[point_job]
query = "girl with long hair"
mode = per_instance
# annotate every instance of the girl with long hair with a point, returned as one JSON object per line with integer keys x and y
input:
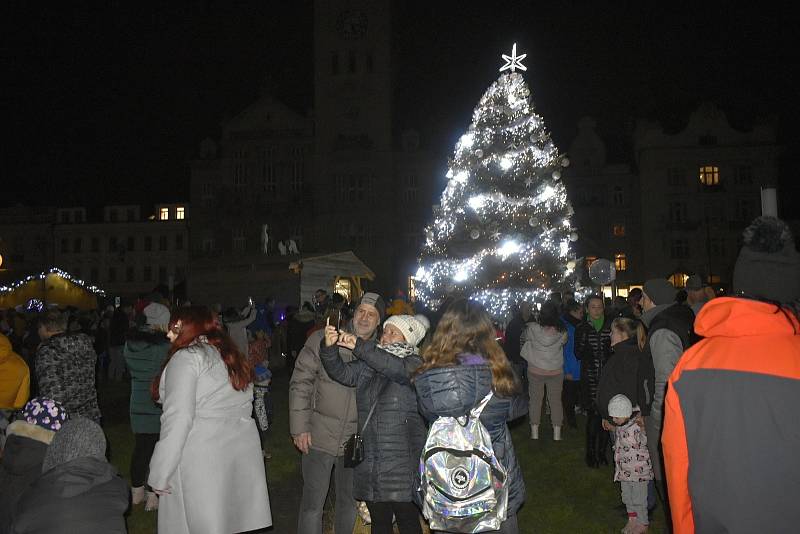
{"x": 207, "y": 466}
{"x": 460, "y": 366}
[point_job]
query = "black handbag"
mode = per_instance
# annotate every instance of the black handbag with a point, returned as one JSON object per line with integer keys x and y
{"x": 354, "y": 447}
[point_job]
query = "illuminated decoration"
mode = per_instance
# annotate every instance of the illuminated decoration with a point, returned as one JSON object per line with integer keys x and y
{"x": 55, "y": 270}
{"x": 502, "y": 232}
{"x": 513, "y": 61}
{"x": 34, "y": 305}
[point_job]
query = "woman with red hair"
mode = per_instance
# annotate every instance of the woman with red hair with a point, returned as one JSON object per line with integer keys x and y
{"x": 205, "y": 466}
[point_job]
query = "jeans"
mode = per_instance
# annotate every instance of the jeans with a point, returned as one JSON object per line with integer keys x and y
{"x": 406, "y": 513}
{"x": 140, "y": 459}
{"x": 537, "y": 385}
{"x": 316, "y": 466}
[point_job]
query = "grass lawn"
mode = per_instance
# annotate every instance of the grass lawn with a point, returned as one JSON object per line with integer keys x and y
{"x": 563, "y": 495}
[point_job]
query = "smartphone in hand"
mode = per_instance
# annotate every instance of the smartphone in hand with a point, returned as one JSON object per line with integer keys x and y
{"x": 335, "y": 318}
{"x": 250, "y": 300}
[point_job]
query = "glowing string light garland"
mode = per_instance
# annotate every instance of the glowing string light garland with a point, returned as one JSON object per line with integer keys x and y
{"x": 54, "y": 270}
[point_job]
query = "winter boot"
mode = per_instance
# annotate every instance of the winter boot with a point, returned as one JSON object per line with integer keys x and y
{"x": 556, "y": 433}
{"x": 602, "y": 448}
{"x": 534, "y": 431}
{"x": 137, "y": 495}
{"x": 152, "y": 502}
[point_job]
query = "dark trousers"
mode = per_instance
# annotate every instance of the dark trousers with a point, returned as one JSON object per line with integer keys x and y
{"x": 406, "y": 513}
{"x": 597, "y": 440}
{"x": 570, "y": 395}
{"x": 140, "y": 459}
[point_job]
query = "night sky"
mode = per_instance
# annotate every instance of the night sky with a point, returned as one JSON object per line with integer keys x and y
{"x": 107, "y": 104}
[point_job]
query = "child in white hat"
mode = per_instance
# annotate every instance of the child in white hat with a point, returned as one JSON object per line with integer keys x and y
{"x": 633, "y": 468}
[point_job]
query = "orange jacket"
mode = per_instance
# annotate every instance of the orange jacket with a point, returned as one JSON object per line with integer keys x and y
{"x": 15, "y": 378}
{"x": 730, "y": 437}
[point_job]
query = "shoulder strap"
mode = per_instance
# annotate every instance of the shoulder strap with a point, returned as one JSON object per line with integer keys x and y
{"x": 477, "y": 410}
{"x": 374, "y": 404}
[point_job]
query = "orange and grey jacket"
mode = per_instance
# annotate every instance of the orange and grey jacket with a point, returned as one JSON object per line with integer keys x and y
{"x": 731, "y": 435}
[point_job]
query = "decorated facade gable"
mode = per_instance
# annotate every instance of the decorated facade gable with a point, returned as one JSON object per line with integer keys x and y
{"x": 502, "y": 232}
{"x": 52, "y": 287}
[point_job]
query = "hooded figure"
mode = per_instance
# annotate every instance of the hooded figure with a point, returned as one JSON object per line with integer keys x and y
{"x": 78, "y": 491}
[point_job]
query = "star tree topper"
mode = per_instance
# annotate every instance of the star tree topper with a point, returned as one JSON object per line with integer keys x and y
{"x": 514, "y": 61}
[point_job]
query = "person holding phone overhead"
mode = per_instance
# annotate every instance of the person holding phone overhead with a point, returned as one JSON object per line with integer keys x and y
{"x": 322, "y": 416}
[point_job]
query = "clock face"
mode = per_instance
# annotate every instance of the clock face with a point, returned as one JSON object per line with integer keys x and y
{"x": 352, "y": 24}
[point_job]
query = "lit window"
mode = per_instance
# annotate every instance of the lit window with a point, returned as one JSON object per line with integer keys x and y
{"x": 709, "y": 175}
{"x": 163, "y": 214}
{"x": 180, "y": 213}
{"x": 679, "y": 279}
{"x": 620, "y": 261}
{"x": 619, "y": 230}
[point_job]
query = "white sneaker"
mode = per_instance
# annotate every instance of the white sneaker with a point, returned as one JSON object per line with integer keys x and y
{"x": 137, "y": 495}
{"x": 534, "y": 431}
{"x": 152, "y": 502}
{"x": 556, "y": 433}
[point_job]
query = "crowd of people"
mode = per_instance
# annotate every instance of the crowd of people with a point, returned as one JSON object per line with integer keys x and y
{"x": 692, "y": 396}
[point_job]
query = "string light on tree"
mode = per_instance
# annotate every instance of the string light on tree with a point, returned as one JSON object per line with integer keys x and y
{"x": 502, "y": 231}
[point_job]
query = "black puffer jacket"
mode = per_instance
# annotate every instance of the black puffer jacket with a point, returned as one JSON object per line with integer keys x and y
{"x": 395, "y": 434}
{"x": 593, "y": 349}
{"x": 454, "y": 391}
{"x": 627, "y": 373}
{"x": 23, "y": 455}
{"x": 84, "y": 495}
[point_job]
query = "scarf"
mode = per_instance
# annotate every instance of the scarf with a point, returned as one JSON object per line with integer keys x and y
{"x": 401, "y": 350}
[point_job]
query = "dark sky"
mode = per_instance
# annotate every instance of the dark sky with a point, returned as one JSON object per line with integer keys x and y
{"x": 106, "y": 104}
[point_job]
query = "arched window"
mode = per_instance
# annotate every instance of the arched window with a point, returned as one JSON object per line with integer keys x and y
{"x": 709, "y": 175}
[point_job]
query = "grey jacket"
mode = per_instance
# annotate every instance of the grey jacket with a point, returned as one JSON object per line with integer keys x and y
{"x": 317, "y": 403}
{"x": 666, "y": 348}
{"x": 544, "y": 347}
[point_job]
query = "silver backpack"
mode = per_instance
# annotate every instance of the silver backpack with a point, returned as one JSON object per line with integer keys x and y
{"x": 462, "y": 483}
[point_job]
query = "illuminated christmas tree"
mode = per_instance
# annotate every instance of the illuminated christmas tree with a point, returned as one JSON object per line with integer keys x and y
{"x": 502, "y": 231}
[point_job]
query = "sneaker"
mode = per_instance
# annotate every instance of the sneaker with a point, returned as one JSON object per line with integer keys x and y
{"x": 152, "y": 502}
{"x": 534, "y": 431}
{"x": 267, "y": 455}
{"x": 137, "y": 495}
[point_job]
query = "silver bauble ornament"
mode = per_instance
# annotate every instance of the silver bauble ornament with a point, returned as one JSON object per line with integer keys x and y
{"x": 534, "y": 137}
{"x": 508, "y": 111}
{"x": 573, "y": 237}
{"x": 556, "y": 175}
{"x": 474, "y": 234}
{"x": 602, "y": 272}
{"x": 479, "y": 153}
{"x": 565, "y": 162}
{"x": 533, "y": 221}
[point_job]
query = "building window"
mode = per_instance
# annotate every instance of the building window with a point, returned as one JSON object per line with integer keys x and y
{"x": 178, "y": 242}
{"x": 297, "y": 170}
{"x": 621, "y": 261}
{"x": 64, "y": 245}
{"x": 707, "y": 140}
{"x": 679, "y": 249}
{"x": 369, "y": 62}
{"x": 239, "y": 240}
{"x": 147, "y": 274}
{"x": 207, "y": 193}
{"x": 112, "y": 274}
{"x": 717, "y": 246}
{"x": 679, "y": 279}
{"x": 296, "y": 233}
{"x": 715, "y": 213}
{"x": 351, "y": 61}
{"x": 77, "y": 244}
{"x": 676, "y": 177}
{"x": 162, "y": 274}
{"x": 131, "y": 215}
{"x": 619, "y": 230}
{"x": 744, "y": 209}
{"x": 334, "y": 63}
{"x": 163, "y": 214}
{"x": 95, "y": 244}
{"x": 744, "y": 175}
{"x": 131, "y": 243}
{"x": 677, "y": 212}
{"x": 112, "y": 244}
{"x": 268, "y": 170}
{"x": 94, "y": 274}
{"x": 239, "y": 168}
{"x": 162, "y": 242}
{"x": 129, "y": 274}
{"x": 148, "y": 243}
{"x": 63, "y": 217}
{"x": 618, "y": 196}
{"x": 208, "y": 245}
{"x": 709, "y": 175}
{"x": 410, "y": 192}
{"x": 180, "y": 213}
{"x": 112, "y": 215}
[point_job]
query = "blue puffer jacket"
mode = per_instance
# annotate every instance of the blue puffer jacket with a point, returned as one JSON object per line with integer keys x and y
{"x": 454, "y": 391}
{"x": 571, "y": 364}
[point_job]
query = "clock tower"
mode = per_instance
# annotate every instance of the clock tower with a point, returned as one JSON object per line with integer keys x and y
{"x": 353, "y": 97}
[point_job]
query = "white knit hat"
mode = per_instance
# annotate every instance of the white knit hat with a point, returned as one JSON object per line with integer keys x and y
{"x": 157, "y": 315}
{"x": 412, "y": 328}
{"x": 620, "y": 406}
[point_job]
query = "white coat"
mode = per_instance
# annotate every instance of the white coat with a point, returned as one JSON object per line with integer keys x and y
{"x": 208, "y": 454}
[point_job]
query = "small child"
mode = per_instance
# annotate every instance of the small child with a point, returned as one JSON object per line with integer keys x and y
{"x": 258, "y": 349}
{"x": 633, "y": 468}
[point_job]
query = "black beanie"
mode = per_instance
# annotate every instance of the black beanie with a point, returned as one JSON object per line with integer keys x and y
{"x": 768, "y": 266}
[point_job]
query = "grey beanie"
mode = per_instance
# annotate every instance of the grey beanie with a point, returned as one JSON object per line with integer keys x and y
{"x": 660, "y": 291}
{"x": 79, "y": 437}
{"x": 373, "y": 299}
{"x": 768, "y": 266}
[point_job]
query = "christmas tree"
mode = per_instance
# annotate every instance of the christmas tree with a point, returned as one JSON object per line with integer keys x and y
{"x": 502, "y": 231}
